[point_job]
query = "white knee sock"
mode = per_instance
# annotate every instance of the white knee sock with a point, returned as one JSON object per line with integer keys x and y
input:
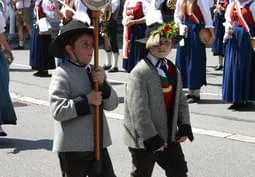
{"x": 196, "y": 92}
{"x": 115, "y": 59}
{"x": 221, "y": 60}
{"x": 21, "y": 43}
{"x": 1, "y": 129}
{"x": 108, "y": 60}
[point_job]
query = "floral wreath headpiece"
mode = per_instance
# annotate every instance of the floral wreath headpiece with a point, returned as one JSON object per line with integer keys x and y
{"x": 166, "y": 31}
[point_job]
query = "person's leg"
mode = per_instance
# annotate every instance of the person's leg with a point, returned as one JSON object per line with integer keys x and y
{"x": 108, "y": 60}
{"x": 7, "y": 16}
{"x": 107, "y": 168}
{"x": 12, "y": 21}
{"x": 115, "y": 63}
{"x": 27, "y": 20}
{"x": 29, "y": 29}
{"x": 193, "y": 96}
{"x": 21, "y": 36}
{"x": 142, "y": 162}
{"x": 112, "y": 28}
{"x": 219, "y": 66}
{"x": 75, "y": 164}
{"x": 19, "y": 24}
{"x": 172, "y": 161}
{"x": 2, "y": 132}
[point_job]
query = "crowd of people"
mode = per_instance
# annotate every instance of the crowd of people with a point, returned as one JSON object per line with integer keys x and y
{"x": 156, "y": 116}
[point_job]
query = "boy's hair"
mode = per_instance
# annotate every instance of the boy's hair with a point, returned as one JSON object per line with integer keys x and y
{"x": 72, "y": 39}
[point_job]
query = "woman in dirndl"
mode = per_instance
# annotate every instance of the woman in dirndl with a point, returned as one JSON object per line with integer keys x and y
{"x": 7, "y": 113}
{"x": 191, "y": 16}
{"x": 40, "y": 59}
{"x": 239, "y": 68}
{"x": 134, "y": 28}
{"x": 219, "y": 29}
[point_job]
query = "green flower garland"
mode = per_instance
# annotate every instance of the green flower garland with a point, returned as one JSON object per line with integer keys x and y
{"x": 167, "y": 30}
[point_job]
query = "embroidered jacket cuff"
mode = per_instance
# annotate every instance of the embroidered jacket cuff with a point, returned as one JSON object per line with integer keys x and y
{"x": 106, "y": 90}
{"x": 185, "y": 130}
{"x": 154, "y": 143}
{"x": 82, "y": 106}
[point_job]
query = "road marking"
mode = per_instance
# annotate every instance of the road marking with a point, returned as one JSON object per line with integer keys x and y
{"x": 124, "y": 82}
{"x": 214, "y": 133}
{"x": 21, "y": 65}
{"x": 202, "y": 93}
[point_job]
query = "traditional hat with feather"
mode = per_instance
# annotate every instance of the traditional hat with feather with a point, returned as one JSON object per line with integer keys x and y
{"x": 157, "y": 30}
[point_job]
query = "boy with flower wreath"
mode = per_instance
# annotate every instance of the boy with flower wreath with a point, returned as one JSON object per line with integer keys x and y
{"x": 156, "y": 116}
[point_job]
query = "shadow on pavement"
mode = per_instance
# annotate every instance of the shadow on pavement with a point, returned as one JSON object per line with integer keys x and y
{"x": 24, "y": 145}
{"x": 20, "y": 70}
{"x": 116, "y": 83}
{"x": 215, "y": 74}
{"x": 211, "y": 101}
{"x": 217, "y": 85}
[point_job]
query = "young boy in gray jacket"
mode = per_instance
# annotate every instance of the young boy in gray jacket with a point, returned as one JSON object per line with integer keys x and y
{"x": 73, "y": 99}
{"x": 156, "y": 116}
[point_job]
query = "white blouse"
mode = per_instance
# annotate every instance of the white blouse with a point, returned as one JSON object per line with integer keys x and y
{"x": 205, "y": 10}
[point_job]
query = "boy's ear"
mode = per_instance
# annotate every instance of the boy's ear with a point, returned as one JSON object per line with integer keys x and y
{"x": 69, "y": 49}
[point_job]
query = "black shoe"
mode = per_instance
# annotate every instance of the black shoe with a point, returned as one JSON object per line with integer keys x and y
{"x": 105, "y": 67}
{"x": 218, "y": 68}
{"x": 188, "y": 96}
{"x": 193, "y": 99}
{"x": 241, "y": 106}
{"x": 113, "y": 70}
{"x": 3, "y": 133}
{"x": 19, "y": 47}
{"x": 233, "y": 106}
{"x": 42, "y": 73}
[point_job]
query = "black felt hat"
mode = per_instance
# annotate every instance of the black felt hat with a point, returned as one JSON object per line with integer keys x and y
{"x": 73, "y": 27}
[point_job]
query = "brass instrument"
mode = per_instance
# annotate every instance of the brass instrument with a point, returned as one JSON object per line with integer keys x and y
{"x": 106, "y": 13}
{"x": 171, "y": 4}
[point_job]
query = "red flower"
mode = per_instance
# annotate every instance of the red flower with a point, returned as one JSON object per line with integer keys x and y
{"x": 166, "y": 28}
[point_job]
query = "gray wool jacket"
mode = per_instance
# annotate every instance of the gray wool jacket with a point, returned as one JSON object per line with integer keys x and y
{"x": 73, "y": 116}
{"x": 145, "y": 116}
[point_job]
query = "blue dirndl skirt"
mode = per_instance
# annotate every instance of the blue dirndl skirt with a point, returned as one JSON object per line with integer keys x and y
{"x": 7, "y": 113}
{"x": 136, "y": 53}
{"x": 238, "y": 67}
{"x": 39, "y": 55}
{"x": 191, "y": 58}
{"x": 219, "y": 30}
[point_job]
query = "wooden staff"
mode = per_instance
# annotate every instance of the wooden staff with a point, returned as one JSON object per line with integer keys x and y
{"x": 95, "y": 15}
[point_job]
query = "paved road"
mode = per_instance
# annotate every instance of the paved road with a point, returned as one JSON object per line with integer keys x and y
{"x": 224, "y": 140}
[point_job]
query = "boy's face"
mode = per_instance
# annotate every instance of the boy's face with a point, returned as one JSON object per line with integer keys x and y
{"x": 163, "y": 49}
{"x": 83, "y": 49}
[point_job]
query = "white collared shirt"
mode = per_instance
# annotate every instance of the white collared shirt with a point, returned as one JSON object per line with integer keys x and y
{"x": 152, "y": 59}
